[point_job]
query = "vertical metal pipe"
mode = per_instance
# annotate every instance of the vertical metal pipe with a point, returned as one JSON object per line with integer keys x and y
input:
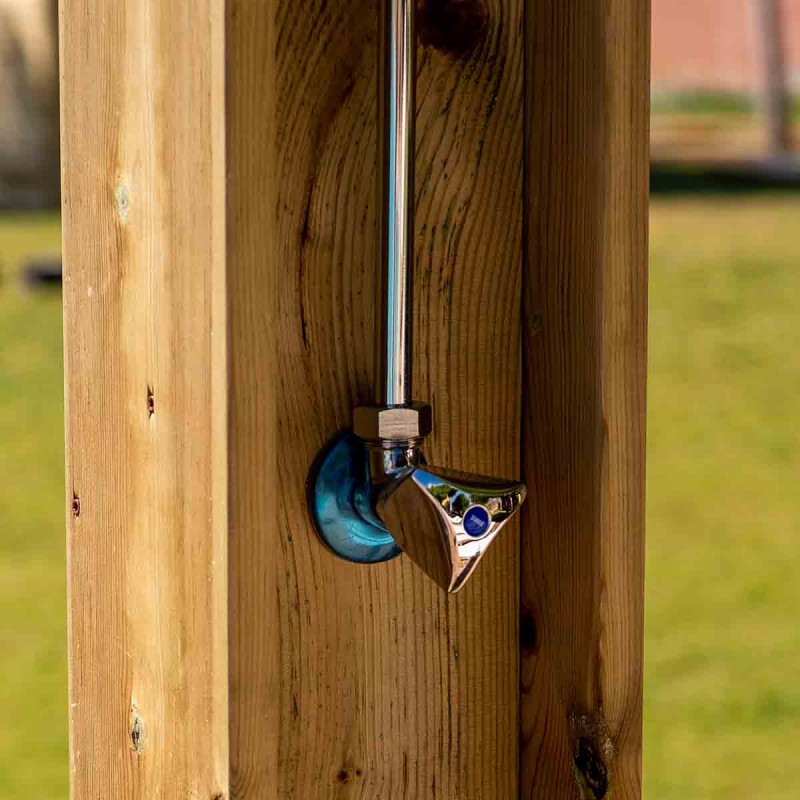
{"x": 396, "y": 109}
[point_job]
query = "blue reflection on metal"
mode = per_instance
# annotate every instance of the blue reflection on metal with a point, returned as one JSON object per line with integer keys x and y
{"x": 340, "y": 497}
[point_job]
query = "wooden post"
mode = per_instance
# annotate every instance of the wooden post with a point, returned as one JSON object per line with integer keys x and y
{"x": 383, "y": 686}
{"x": 145, "y": 360}
{"x": 584, "y": 402}
{"x": 220, "y": 228}
{"x": 775, "y": 100}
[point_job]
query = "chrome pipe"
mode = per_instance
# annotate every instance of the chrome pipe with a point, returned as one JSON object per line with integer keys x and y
{"x": 397, "y": 110}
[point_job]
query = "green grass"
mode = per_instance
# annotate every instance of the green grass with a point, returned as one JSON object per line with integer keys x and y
{"x": 704, "y": 102}
{"x": 723, "y": 639}
{"x": 710, "y": 102}
{"x": 33, "y": 686}
{"x": 723, "y": 550}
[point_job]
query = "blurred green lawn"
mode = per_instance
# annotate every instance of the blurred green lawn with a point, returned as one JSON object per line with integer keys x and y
{"x": 722, "y": 709}
{"x": 722, "y": 714}
{"x": 33, "y": 684}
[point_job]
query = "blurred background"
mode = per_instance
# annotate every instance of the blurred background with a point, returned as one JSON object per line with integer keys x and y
{"x": 722, "y": 707}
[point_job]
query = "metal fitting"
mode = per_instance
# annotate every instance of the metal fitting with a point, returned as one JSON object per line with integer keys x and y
{"x": 393, "y": 424}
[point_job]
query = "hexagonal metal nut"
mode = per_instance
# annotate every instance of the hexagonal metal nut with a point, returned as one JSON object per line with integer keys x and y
{"x": 395, "y": 423}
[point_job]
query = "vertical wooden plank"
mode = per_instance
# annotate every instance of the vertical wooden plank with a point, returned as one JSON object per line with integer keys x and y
{"x": 587, "y": 75}
{"x": 467, "y": 361}
{"x": 256, "y": 464}
{"x": 366, "y": 681}
{"x": 142, "y": 87}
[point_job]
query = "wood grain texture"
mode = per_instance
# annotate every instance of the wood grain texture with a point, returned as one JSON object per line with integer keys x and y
{"x": 144, "y": 296}
{"x": 256, "y": 483}
{"x": 352, "y": 681}
{"x": 587, "y": 68}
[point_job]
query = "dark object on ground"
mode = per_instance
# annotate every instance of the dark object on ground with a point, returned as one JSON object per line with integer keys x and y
{"x": 736, "y": 177}
{"x": 43, "y": 273}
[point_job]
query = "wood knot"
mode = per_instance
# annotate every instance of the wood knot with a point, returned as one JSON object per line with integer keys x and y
{"x": 455, "y": 27}
{"x": 348, "y": 775}
{"x": 591, "y": 768}
{"x": 122, "y": 201}
{"x": 76, "y": 505}
{"x": 137, "y": 731}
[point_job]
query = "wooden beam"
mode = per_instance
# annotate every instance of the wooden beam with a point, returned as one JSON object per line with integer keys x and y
{"x": 218, "y": 179}
{"x": 258, "y": 476}
{"x": 203, "y": 277}
{"x": 774, "y": 95}
{"x": 350, "y": 680}
{"x": 584, "y": 397}
{"x": 142, "y": 88}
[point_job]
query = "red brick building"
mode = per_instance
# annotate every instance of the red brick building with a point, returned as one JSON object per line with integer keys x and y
{"x": 716, "y": 45}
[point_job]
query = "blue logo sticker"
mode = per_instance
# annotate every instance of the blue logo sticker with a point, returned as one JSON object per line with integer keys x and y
{"x": 476, "y": 520}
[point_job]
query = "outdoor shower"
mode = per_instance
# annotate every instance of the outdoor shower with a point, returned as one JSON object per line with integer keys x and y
{"x": 372, "y": 495}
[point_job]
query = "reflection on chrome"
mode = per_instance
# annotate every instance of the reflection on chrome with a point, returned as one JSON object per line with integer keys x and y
{"x": 424, "y": 510}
